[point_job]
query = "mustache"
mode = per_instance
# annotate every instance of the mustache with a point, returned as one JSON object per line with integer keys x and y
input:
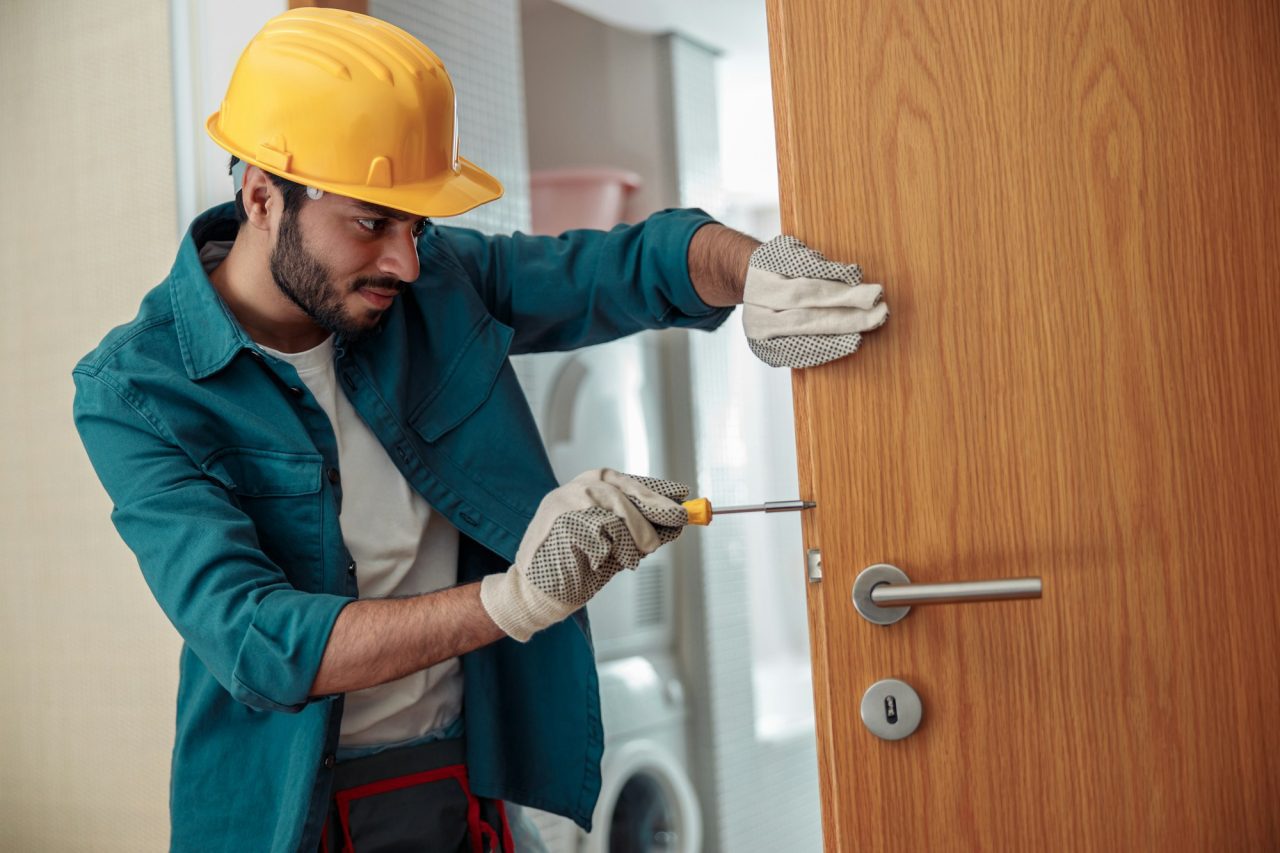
{"x": 383, "y": 283}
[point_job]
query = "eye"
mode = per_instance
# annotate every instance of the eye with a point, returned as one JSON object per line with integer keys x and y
{"x": 420, "y": 227}
{"x": 373, "y": 225}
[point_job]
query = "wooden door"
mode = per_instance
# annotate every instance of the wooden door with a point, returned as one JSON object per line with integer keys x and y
{"x": 1074, "y": 209}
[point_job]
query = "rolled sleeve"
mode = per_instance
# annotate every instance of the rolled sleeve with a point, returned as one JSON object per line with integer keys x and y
{"x": 259, "y": 636}
{"x": 583, "y": 287}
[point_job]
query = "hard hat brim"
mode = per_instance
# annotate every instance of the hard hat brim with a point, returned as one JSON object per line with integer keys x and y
{"x": 455, "y": 193}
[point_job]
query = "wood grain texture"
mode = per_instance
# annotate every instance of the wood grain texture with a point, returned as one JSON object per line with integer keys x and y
{"x": 1074, "y": 209}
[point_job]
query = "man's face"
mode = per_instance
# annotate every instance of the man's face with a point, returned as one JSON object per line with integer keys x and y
{"x": 343, "y": 262}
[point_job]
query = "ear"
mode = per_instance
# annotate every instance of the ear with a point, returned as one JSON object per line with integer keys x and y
{"x": 260, "y": 198}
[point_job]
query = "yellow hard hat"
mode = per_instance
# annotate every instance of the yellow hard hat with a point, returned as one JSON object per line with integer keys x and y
{"x": 352, "y": 105}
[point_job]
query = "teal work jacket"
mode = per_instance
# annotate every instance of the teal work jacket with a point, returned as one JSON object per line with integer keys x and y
{"x": 226, "y": 484}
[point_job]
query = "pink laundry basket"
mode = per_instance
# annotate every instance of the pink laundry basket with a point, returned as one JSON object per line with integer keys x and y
{"x": 562, "y": 199}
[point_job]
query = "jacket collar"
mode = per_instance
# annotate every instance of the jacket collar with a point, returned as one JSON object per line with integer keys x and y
{"x": 208, "y": 333}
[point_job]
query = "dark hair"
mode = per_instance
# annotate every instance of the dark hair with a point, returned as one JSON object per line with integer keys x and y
{"x": 293, "y": 193}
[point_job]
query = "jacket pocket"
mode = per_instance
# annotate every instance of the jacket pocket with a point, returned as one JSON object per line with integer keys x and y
{"x": 281, "y": 494}
{"x": 467, "y": 381}
{"x": 265, "y": 473}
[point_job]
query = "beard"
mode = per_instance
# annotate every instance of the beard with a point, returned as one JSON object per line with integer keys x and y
{"x": 308, "y": 283}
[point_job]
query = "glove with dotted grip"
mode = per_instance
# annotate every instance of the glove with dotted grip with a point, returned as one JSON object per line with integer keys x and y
{"x": 802, "y": 310}
{"x": 582, "y": 534}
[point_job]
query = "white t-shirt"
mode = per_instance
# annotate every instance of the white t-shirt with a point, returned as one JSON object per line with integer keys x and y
{"x": 401, "y": 547}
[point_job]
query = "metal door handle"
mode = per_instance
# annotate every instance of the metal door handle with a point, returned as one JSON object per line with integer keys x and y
{"x": 883, "y": 594}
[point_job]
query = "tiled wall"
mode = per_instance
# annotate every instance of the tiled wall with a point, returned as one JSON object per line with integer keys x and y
{"x": 479, "y": 42}
{"x": 697, "y": 134}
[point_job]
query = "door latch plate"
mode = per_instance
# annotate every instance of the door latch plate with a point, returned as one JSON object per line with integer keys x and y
{"x": 814, "y": 561}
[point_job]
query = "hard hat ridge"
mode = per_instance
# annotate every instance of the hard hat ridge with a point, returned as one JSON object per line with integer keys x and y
{"x": 353, "y": 105}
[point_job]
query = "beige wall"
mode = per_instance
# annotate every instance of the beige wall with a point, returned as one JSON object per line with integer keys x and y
{"x": 88, "y": 664}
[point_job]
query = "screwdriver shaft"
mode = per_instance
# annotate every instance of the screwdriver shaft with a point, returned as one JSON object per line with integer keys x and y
{"x": 771, "y": 506}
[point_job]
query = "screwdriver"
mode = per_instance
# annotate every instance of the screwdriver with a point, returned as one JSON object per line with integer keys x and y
{"x": 700, "y": 510}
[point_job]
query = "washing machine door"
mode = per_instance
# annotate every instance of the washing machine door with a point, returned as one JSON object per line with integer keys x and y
{"x": 647, "y": 804}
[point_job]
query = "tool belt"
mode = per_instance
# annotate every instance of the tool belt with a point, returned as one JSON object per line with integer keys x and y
{"x": 412, "y": 798}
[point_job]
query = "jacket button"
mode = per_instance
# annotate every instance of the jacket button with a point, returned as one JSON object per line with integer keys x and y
{"x": 351, "y": 568}
{"x": 332, "y": 474}
{"x": 295, "y": 391}
{"x": 329, "y": 761}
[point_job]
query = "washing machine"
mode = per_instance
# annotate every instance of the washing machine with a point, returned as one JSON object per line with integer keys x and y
{"x": 647, "y": 802}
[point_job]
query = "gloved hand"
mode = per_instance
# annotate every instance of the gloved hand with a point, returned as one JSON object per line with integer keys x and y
{"x": 802, "y": 310}
{"x": 583, "y": 533}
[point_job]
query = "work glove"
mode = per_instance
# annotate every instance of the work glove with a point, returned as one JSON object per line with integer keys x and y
{"x": 583, "y": 533}
{"x": 802, "y": 310}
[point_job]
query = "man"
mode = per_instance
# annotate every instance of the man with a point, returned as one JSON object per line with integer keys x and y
{"x": 321, "y": 457}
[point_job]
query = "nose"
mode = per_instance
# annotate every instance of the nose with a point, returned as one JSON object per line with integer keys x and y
{"x": 400, "y": 255}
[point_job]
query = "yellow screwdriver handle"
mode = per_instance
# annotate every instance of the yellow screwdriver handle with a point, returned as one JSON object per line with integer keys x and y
{"x": 699, "y": 511}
